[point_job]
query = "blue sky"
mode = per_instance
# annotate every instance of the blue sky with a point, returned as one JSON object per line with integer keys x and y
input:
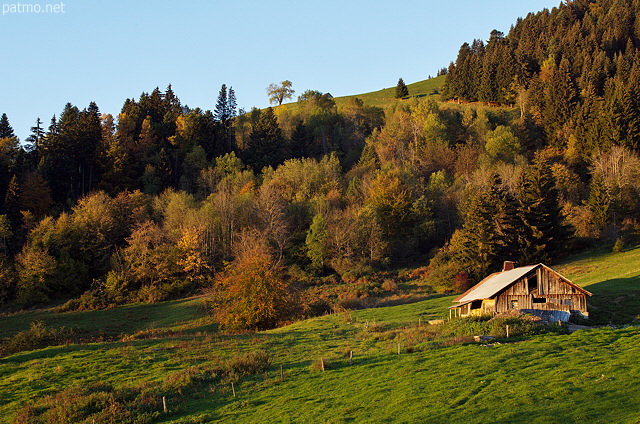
{"x": 107, "y": 51}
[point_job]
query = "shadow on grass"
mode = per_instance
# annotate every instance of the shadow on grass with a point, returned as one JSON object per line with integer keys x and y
{"x": 614, "y": 301}
{"x": 125, "y": 319}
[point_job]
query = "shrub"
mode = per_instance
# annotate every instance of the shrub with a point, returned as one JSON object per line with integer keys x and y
{"x": 618, "y": 247}
{"x": 96, "y": 403}
{"x": 90, "y": 300}
{"x": 250, "y": 363}
{"x": 389, "y": 285}
{"x": 37, "y": 337}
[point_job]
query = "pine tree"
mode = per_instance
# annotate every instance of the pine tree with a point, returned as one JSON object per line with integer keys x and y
{"x": 599, "y": 202}
{"x": 171, "y": 103}
{"x": 401, "y": 90}
{"x": 299, "y": 148}
{"x": 561, "y": 96}
{"x": 221, "y": 112}
{"x": 232, "y": 103}
{"x": 6, "y": 130}
{"x": 546, "y": 233}
{"x": 266, "y": 143}
{"x": 36, "y": 136}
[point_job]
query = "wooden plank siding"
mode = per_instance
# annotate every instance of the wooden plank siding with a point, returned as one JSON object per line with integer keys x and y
{"x": 542, "y": 289}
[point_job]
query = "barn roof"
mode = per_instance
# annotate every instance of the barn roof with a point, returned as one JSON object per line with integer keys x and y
{"x": 499, "y": 281}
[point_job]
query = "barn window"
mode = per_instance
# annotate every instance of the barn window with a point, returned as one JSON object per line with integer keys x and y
{"x": 533, "y": 283}
{"x": 539, "y": 300}
{"x": 476, "y": 304}
{"x": 513, "y": 304}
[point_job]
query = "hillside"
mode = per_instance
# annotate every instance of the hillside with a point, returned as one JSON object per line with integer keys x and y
{"x": 384, "y": 98}
{"x": 172, "y": 351}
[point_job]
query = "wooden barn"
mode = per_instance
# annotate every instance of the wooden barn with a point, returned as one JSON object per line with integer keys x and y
{"x": 535, "y": 289}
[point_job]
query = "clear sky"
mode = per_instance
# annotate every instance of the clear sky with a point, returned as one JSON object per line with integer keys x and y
{"x": 107, "y": 51}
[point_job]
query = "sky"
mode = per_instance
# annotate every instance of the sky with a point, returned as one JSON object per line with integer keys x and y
{"x": 110, "y": 50}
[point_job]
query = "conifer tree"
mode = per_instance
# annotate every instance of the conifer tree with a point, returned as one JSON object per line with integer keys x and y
{"x": 36, "y": 136}
{"x": 232, "y": 103}
{"x": 299, "y": 146}
{"x": 401, "y": 89}
{"x": 266, "y": 144}
{"x": 6, "y": 131}
{"x": 599, "y": 202}
{"x": 221, "y": 112}
{"x": 546, "y": 233}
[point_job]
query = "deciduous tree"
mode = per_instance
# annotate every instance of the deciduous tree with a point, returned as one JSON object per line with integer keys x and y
{"x": 280, "y": 92}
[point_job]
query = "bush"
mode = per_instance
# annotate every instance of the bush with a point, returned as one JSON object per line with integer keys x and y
{"x": 618, "y": 247}
{"x": 37, "y": 337}
{"x": 389, "y": 285}
{"x": 95, "y": 403}
{"x": 250, "y": 363}
{"x": 89, "y": 301}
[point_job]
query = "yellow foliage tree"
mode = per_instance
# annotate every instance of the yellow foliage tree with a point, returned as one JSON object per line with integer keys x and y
{"x": 193, "y": 260}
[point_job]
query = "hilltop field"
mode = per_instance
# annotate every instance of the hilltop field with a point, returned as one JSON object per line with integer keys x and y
{"x": 380, "y": 365}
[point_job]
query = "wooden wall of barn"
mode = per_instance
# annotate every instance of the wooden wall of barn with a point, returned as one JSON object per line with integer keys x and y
{"x": 545, "y": 286}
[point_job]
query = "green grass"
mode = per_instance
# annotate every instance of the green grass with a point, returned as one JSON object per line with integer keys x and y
{"x": 387, "y": 96}
{"x": 588, "y": 376}
{"x": 614, "y": 280}
{"x": 176, "y": 315}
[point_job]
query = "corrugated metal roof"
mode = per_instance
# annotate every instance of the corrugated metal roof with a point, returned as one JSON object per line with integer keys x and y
{"x": 495, "y": 283}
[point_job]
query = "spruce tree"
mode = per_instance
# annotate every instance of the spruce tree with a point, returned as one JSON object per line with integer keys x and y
{"x": 232, "y": 103}
{"x": 401, "y": 90}
{"x": 36, "y": 136}
{"x": 221, "y": 112}
{"x": 299, "y": 148}
{"x": 6, "y": 130}
{"x": 546, "y": 233}
{"x": 266, "y": 142}
{"x": 599, "y": 202}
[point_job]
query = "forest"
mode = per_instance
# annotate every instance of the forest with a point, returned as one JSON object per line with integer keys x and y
{"x": 530, "y": 152}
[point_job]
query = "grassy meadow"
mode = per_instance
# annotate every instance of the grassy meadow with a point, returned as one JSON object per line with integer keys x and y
{"x": 385, "y": 97}
{"x": 402, "y": 370}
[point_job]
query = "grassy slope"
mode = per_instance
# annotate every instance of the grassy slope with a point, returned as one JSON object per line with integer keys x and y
{"x": 177, "y": 315}
{"x": 385, "y": 97}
{"x": 589, "y": 376}
{"x": 614, "y": 280}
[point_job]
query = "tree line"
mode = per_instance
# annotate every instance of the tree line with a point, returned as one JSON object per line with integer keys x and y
{"x": 573, "y": 69}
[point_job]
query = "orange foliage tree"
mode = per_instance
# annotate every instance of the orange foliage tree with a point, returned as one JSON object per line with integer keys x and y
{"x": 251, "y": 294}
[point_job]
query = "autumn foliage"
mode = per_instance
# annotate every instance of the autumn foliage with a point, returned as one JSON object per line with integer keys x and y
{"x": 251, "y": 293}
